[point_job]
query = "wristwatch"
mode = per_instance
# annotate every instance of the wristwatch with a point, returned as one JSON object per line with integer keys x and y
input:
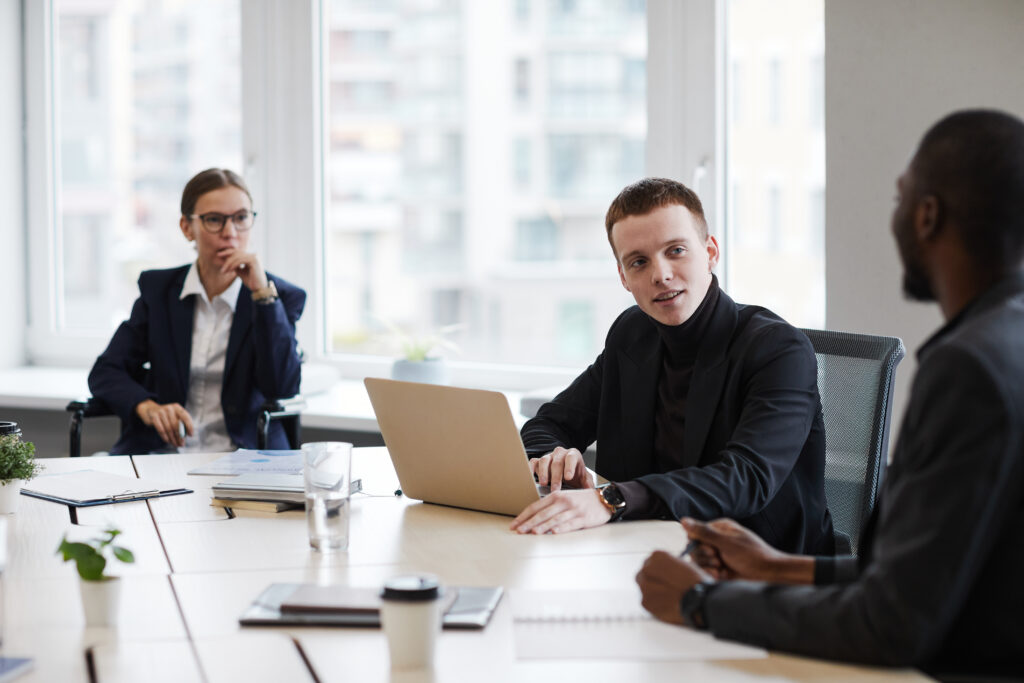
{"x": 265, "y": 295}
{"x": 692, "y": 605}
{"x": 612, "y": 498}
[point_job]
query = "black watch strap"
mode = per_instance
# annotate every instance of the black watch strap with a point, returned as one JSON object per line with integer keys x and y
{"x": 692, "y": 605}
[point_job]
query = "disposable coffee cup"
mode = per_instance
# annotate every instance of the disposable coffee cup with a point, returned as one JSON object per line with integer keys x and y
{"x": 411, "y": 616}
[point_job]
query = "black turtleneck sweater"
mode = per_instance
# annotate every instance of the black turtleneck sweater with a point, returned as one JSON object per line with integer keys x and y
{"x": 679, "y": 346}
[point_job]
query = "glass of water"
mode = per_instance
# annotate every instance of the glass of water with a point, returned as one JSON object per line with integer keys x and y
{"x": 328, "y": 474}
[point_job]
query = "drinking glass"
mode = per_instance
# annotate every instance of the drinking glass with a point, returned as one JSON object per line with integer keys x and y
{"x": 328, "y": 473}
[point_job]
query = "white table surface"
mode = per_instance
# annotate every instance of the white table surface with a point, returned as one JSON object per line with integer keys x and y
{"x": 198, "y": 569}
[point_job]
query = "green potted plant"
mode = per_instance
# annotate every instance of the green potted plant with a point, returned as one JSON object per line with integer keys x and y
{"x": 101, "y": 593}
{"x": 419, "y": 362}
{"x": 17, "y": 465}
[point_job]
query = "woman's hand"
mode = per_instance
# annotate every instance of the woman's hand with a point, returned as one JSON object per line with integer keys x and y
{"x": 245, "y": 265}
{"x": 167, "y": 420}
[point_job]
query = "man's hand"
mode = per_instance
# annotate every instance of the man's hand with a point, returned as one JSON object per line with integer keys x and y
{"x": 562, "y": 511}
{"x": 562, "y": 466}
{"x": 663, "y": 580}
{"x": 245, "y": 265}
{"x": 727, "y": 550}
{"x": 165, "y": 419}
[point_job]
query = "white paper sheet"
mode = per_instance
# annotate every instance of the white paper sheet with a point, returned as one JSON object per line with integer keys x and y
{"x": 244, "y": 461}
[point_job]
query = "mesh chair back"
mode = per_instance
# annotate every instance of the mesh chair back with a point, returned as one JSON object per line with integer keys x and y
{"x": 855, "y": 381}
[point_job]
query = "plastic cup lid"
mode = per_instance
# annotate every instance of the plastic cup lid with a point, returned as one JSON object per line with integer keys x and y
{"x": 413, "y": 588}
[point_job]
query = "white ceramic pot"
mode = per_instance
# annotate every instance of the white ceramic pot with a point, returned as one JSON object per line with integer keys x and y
{"x": 429, "y": 371}
{"x": 101, "y": 601}
{"x": 10, "y": 494}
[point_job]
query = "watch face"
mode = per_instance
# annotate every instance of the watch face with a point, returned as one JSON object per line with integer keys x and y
{"x": 613, "y": 495}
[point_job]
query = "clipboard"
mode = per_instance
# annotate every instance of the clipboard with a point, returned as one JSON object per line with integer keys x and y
{"x": 85, "y": 488}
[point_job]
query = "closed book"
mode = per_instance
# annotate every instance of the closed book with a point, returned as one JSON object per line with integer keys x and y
{"x": 333, "y": 600}
{"x": 256, "y": 505}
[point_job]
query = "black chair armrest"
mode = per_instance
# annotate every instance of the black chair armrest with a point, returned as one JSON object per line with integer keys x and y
{"x": 90, "y": 407}
{"x": 287, "y": 411}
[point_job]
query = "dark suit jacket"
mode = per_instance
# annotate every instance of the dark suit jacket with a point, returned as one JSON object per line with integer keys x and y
{"x": 262, "y": 359}
{"x": 939, "y": 581}
{"x": 755, "y": 442}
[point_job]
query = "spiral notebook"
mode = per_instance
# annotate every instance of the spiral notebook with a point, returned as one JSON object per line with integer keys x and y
{"x": 599, "y": 624}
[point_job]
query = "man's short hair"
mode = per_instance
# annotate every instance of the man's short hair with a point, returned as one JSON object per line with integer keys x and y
{"x": 649, "y": 194}
{"x": 973, "y": 162}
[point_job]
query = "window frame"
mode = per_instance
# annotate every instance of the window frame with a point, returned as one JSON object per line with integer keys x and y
{"x": 283, "y": 43}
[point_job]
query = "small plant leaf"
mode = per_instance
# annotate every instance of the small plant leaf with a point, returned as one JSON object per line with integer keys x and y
{"x": 74, "y": 551}
{"x": 90, "y": 558}
{"x": 123, "y": 554}
{"x": 90, "y": 567}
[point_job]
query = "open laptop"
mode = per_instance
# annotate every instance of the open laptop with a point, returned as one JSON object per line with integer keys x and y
{"x": 454, "y": 446}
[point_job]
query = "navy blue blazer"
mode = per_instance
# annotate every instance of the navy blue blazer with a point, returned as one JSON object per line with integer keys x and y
{"x": 754, "y": 446}
{"x": 150, "y": 353}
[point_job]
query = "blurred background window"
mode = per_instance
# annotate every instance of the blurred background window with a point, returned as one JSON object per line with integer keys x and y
{"x": 146, "y": 93}
{"x": 472, "y": 187}
{"x": 775, "y": 166}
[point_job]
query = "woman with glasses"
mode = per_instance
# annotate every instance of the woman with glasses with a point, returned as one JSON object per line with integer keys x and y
{"x": 207, "y": 343}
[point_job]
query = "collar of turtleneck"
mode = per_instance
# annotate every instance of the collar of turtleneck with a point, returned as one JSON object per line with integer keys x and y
{"x": 681, "y": 342}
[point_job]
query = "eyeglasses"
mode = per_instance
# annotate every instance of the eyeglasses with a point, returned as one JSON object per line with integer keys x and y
{"x": 215, "y": 222}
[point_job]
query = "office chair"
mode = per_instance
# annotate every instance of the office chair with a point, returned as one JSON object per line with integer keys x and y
{"x": 855, "y": 381}
{"x": 287, "y": 411}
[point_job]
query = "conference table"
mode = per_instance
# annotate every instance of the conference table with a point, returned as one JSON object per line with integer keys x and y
{"x": 198, "y": 567}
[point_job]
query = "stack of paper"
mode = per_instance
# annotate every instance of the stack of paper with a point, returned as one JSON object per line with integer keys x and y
{"x": 265, "y": 492}
{"x": 261, "y": 491}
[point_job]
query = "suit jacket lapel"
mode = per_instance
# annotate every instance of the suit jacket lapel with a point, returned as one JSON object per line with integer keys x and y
{"x": 708, "y": 379}
{"x": 640, "y": 365}
{"x": 181, "y": 320}
{"x": 240, "y": 324}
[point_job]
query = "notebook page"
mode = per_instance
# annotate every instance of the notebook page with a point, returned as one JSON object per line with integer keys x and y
{"x": 597, "y": 624}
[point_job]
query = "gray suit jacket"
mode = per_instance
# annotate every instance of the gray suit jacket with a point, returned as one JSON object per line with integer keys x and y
{"x": 940, "y": 584}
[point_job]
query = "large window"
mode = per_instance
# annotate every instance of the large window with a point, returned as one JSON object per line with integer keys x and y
{"x": 422, "y": 163}
{"x": 145, "y": 93}
{"x": 472, "y": 154}
{"x": 775, "y": 168}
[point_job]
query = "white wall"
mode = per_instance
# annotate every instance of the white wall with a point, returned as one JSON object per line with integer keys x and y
{"x": 12, "y": 234}
{"x": 893, "y": 68}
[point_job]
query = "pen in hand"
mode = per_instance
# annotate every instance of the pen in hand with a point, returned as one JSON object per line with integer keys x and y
{"x": 690, "y": 547}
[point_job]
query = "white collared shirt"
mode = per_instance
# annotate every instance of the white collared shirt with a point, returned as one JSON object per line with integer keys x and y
{"x": 211, "y": 328}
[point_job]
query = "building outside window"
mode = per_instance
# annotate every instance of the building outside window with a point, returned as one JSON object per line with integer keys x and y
{"x": 497, "y": 238}
{"x": 774, "y": 248}
{"x": 145, "y": 94}
{"x": 469, "y": 156}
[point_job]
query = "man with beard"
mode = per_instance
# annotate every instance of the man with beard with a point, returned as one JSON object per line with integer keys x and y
{"x": 938, "y": 582}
